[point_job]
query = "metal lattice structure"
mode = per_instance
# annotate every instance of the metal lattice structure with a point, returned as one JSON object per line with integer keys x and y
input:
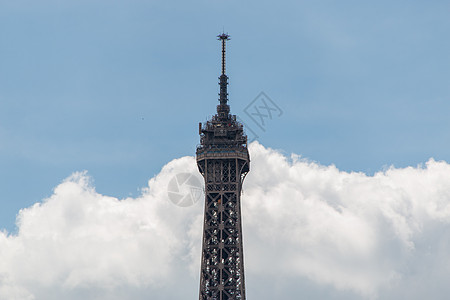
{"x": 223, "y": 160}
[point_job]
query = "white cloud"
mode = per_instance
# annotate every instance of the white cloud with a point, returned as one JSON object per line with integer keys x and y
{"x": 309, "y": 230}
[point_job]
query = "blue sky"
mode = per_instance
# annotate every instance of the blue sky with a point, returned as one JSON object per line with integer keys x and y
{"x": 117, "y": 87}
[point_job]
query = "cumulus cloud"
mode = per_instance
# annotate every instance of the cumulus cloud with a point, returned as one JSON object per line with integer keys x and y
{"x": 309, "y": 231}
{"x": 80, "y": 243}
{"x": 377, "y": 236}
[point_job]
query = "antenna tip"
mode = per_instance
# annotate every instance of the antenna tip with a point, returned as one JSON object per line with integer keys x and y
{"x": 223, "y": 36}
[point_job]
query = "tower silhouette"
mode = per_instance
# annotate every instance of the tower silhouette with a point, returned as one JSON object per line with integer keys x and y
{"x": 223, "y": 161}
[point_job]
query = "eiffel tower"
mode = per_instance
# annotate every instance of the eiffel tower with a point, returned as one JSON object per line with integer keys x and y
{"x": 223, "y": 161}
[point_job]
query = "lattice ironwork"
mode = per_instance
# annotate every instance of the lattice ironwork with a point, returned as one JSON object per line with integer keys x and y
{"x": 223, "y": 160}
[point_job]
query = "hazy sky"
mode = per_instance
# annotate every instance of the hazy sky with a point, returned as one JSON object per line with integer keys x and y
{"x": 117, "y": 88}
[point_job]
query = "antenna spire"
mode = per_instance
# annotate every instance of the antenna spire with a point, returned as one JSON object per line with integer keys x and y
{"x": 224, "y": 37}
{"x": 223, "y": 109}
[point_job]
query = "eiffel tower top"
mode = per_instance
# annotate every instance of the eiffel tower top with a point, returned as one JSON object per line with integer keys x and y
{"x": 223, "y": 132}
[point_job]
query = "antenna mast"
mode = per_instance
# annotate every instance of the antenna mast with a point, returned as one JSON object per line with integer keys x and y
{"x": 223, "y": 109}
